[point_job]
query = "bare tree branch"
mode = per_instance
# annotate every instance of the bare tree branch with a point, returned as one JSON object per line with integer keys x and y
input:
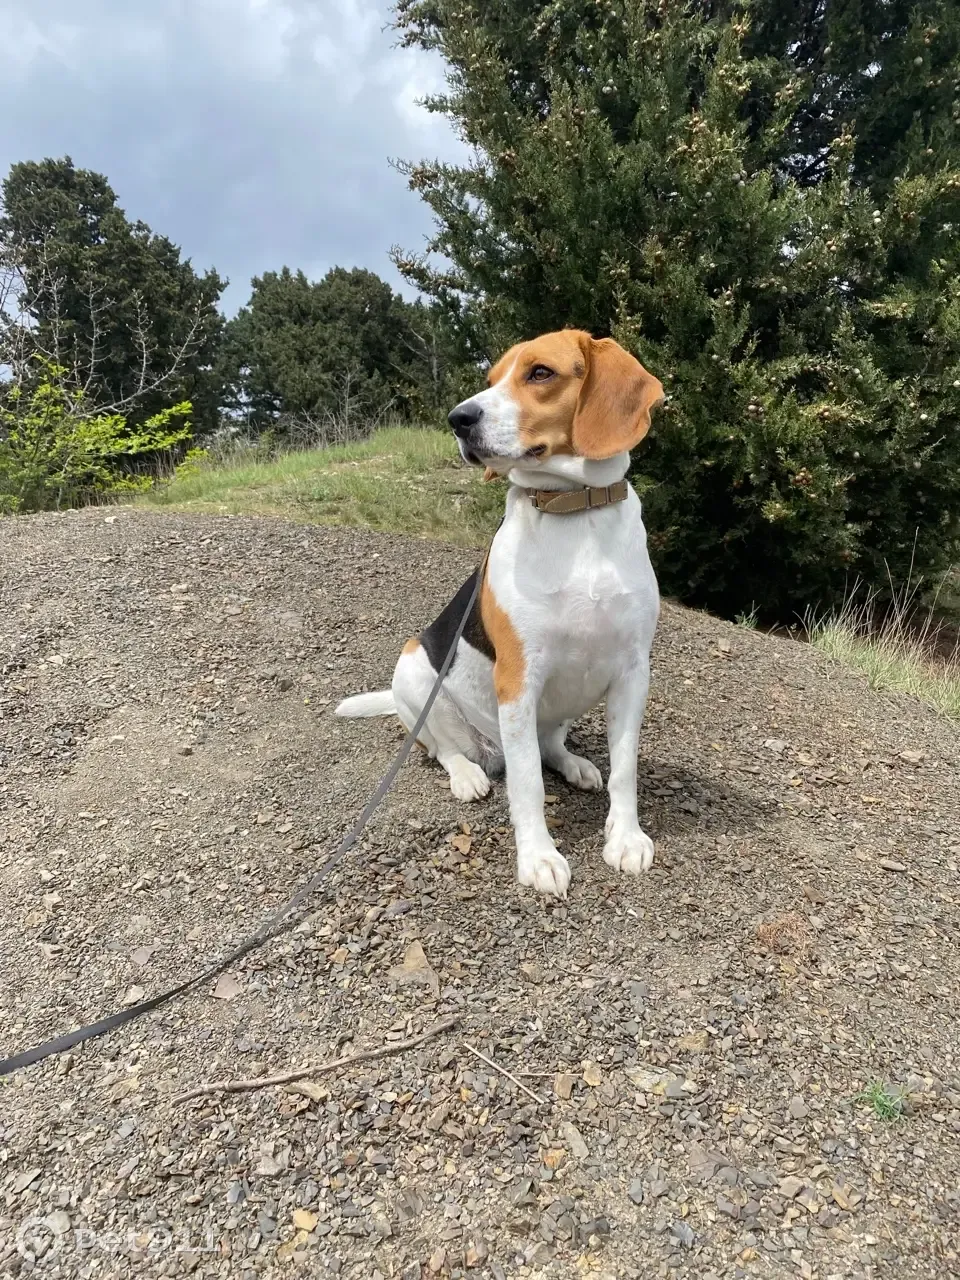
{"x": 26, "y": 293}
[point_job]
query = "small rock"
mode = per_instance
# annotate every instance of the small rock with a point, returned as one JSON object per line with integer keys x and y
{"x": 475, "y": 1253}
{"x": 574, "y": 1140}
{"x": 437, "y": 1116}
{"x": 415, "y": 968}
{"x": 728, "y": 1207}
{"x": 841, "y": 1197}
{"x": 592, "y": 1074}
{"x": 790, "y": 1187}
{"x": 563, "y": 1085}
{"x": 635, "y": 1191}
{"x": 683, "y": 1233}
{"x": 798, "y": 1109}
{"x": 23, "y": 1180}
{"x": 694, "y": 1042}
{"x": 227, "y": 988}
{"x": 58, "y": 1222}
{"x": 646, "y": 1079}
{"x": 891, "y": 864}
{"x": 285, "y": 683}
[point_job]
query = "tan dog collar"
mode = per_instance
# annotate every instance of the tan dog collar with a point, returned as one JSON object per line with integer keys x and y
{"x": 563, "y": 502}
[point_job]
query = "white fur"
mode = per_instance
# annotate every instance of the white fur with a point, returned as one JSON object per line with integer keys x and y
{"x": 581, "y": 594}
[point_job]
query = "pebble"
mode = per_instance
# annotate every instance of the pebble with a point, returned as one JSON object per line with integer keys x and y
{"x": 574, "y": 1140}
{"x": 683, "y": 1233}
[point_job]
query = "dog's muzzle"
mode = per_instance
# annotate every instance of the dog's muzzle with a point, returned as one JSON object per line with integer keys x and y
{"x": 465, "y": 420}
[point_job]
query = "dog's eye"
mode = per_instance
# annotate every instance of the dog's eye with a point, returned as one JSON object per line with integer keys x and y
{"x": 539, "y": 373}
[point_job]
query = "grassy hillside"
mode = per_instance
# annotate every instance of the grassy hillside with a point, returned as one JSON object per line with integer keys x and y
{"x": 403, "y": 479}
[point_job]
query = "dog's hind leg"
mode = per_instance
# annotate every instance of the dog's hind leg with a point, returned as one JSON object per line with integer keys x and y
{"x": 553, "y": 751}
{"x": 446, "y": 736}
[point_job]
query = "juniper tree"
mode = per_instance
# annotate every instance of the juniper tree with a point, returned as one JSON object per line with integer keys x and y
{"x": 763, "y": 202}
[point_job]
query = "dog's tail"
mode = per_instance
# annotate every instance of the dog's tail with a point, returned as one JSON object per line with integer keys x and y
{"x": 368, "y": 704}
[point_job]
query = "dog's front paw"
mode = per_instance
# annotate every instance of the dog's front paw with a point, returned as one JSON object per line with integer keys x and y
{"x": 581, "y": 773}
{"x": 627, "y": 848}
{"x": 467, "y": 780}
{"x": 545, "y": 869}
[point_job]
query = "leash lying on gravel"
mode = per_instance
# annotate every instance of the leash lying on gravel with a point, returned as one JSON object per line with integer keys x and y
{"x": 279, "y": 921}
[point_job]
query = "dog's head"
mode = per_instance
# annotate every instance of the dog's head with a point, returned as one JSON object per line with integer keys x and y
{"x": 562, "y": 393}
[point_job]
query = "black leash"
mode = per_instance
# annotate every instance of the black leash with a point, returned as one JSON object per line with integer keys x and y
{"x": 279, "y": 921}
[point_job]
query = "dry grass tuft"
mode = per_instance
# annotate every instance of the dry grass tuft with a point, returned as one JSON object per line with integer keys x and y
{"x": 786, "y": 935}
{"x": 902, "y": 649}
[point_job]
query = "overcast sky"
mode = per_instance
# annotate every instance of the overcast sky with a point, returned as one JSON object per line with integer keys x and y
{"x": 253, "y": 133}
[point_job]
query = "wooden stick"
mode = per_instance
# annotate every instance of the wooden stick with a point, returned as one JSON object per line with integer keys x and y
{"x": 504, "y": 1072}
{"x": 318, "y": 1068}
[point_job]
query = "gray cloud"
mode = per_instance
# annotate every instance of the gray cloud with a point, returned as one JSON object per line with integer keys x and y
{"x": 252, "y": 132}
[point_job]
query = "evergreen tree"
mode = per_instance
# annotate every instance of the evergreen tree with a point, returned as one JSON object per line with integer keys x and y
{"x": 303, "y": 349}
{"x": 104, "y": 298}
{"x": 763, "y": 202}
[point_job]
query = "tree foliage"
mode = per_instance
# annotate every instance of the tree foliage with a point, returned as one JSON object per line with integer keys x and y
{"x": 105, "y": 300}
{"x": 56, "y": 451}
{"x": 306, "y": 350}
{"x": 763, "y": 201}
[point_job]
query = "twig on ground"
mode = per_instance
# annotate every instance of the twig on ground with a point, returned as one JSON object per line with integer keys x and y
{"x": 504, "y": 1072}
{"x": 318, "y": 1068}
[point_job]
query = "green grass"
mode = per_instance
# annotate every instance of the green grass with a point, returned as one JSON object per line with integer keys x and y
{"x": 886, "y": 1101}
{"x": 896, "y": 652}
{"x": 400, "y": 480}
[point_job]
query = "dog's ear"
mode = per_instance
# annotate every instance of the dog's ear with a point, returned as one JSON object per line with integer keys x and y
{"x": 616, "y": 398}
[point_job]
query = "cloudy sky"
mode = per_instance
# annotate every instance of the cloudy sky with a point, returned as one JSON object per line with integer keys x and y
{"x": 254, "y": 133}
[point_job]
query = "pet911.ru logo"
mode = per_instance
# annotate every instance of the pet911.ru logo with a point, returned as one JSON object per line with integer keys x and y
{"x": 45, "y": 1237}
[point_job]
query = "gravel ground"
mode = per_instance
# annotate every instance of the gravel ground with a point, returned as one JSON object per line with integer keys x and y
{"x": 697, "y": 1040}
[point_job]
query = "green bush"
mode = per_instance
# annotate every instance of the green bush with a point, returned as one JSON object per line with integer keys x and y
{"x": 56, "y": 453}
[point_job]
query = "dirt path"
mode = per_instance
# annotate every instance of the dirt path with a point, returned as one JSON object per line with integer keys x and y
{"x": 169, "y": 769}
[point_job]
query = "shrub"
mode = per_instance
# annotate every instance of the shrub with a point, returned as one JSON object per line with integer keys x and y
{"x": 56, "y": 453}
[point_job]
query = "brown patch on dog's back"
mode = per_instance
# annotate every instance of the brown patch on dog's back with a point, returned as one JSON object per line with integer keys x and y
{"x": 412, "y": 645}
{"x": 510, "y": 664}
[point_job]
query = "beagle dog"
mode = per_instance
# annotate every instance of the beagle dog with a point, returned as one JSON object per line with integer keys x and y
{"x": 568, "y": 602}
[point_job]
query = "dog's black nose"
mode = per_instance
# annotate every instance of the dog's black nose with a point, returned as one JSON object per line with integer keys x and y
{"x": 463, "y": 418}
